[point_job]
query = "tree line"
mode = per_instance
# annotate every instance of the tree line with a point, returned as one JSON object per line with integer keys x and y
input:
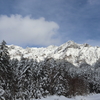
{"x": 27, "y": 78}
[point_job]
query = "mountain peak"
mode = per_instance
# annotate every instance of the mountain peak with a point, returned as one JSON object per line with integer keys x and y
{"x": 71, "y": 42}
{"x": 69, "y": 51}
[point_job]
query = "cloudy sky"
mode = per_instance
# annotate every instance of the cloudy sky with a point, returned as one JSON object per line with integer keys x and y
{"x": 46, "y": 22}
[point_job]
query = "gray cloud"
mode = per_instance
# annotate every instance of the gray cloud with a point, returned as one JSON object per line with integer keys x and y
{"x": 79, "y": 20}
{"x": 26, "y": 30}
{"x": 94, "y": 2}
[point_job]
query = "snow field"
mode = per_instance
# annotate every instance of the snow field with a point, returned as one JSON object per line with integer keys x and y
{"x": 89, "y": 97}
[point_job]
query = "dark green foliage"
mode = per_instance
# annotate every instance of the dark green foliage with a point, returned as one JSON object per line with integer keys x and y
{"x": 28, "y": 78}
{"x": 5, "y": 69}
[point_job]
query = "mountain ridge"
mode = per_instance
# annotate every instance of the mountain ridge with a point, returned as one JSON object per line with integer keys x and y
{"x": 69, "y": 51}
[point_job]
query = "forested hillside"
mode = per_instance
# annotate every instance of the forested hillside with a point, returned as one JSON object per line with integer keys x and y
{"x": 28, "y": 78}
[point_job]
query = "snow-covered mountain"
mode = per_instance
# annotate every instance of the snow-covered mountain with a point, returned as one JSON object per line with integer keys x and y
{"x": 70, "y": 51}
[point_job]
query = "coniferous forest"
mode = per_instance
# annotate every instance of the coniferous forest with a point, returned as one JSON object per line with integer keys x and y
{"x": 27, "y": 78}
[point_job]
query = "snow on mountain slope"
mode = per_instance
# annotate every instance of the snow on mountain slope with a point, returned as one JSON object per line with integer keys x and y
{"x": 70, "y": 51}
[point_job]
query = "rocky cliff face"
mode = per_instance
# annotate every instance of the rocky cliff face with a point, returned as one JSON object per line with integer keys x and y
{"x": 70, "y": 51}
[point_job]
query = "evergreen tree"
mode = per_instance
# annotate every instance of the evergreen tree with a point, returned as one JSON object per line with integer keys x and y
{"x": 5, "y": 71}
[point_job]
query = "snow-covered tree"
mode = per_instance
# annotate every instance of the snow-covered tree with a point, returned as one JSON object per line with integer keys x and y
{"x": 5, "y": 71}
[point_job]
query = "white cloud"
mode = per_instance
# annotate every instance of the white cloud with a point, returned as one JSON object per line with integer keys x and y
{"x": 26, "y": 30}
